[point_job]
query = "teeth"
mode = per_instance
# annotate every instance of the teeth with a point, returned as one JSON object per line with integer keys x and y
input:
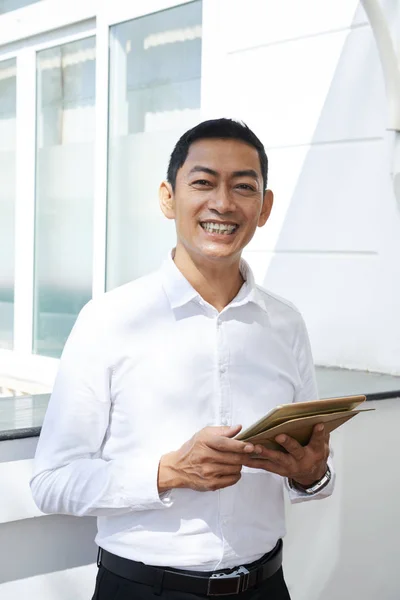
{"x": 218, "y": 228}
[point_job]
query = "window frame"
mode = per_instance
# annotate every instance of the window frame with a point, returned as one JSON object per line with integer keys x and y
{"x": 24, "y": 32}
{"x": 3, "y": 60}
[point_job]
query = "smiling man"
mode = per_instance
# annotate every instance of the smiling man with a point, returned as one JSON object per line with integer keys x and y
{"x": 157, "y": 379}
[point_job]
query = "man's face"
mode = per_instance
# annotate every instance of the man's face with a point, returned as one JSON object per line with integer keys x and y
{"x": 219, "y": 199}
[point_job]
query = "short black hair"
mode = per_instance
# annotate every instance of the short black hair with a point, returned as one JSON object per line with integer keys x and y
{"x": 215, "y": 129}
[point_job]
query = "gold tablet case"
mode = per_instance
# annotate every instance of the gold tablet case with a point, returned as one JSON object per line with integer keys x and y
{"x": 298, "y": 420}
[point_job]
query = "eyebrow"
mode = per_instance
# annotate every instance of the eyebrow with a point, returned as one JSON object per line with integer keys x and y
{"x": 200, "y": 169}
{"x": 243, "y": 173}
{"x": 246, "y": 173}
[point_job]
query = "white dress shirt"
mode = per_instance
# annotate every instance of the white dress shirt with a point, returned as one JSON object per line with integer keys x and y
{"x": 146, "y": 366}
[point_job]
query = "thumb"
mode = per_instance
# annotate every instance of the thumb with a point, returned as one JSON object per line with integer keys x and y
{"x": 228, "y": 431}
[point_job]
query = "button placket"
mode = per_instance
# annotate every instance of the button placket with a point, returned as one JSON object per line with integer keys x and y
{"x": 225, "y": 495}
{"x": 222, "y": 369}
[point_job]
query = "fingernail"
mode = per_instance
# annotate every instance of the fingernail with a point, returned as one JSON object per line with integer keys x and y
{"x": 249, "y": 448}
{"x": 321, "y": 427}
{"x": 281, "y": 439}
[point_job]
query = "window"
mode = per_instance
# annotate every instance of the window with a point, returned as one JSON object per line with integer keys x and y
{"x": 9, "y": 5}
{"x": 64, "y": 191}
{"x": 155, "y": 73}
{"x": 8, "y": 83}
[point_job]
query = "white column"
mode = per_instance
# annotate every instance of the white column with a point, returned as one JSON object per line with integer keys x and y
{"x": 25, "y": 200}
{"x": 101, "y": 155}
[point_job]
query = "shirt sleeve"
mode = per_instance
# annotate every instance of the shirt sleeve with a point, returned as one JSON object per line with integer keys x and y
{"x": 308, "y": 391}
{"x": 70, "y": 476}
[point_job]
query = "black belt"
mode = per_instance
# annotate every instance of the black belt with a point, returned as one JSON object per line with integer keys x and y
{"x": 217, "y": 583}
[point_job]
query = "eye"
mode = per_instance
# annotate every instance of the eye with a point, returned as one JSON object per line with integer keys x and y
{"x": 247, "y": 187}
{"x": 201, "y": 183}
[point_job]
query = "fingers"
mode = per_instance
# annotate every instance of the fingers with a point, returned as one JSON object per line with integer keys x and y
{"x": 217, "y": 457}
{"x": 222, "y": 444}
{"x": 266, "y": 465}
{"x": 291, "y": 445}
{"x": 228, "y": 431}
{"x": 216, "y": 470}
{"x": 220, "y": 439}
{"x": 318, "y": 438}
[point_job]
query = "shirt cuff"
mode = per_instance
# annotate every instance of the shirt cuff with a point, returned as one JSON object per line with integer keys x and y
{"x": 297, "y": 495}
{"x": 138, "y": 478}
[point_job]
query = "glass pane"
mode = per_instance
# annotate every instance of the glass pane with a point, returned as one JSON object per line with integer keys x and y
{"x": 155, "y": 76}
{"x": 9, "y": 5}
{"x": 64, "y": 190}
{"x": 8, "y": 84}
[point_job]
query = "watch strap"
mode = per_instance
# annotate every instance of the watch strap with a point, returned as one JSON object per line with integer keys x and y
{"x": 315, "y": 487}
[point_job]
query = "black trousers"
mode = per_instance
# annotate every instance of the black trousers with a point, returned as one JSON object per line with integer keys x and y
{"x": 113, "y": 587}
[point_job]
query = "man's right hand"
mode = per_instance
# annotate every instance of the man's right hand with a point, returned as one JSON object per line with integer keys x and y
{"x": 209, "y": 461}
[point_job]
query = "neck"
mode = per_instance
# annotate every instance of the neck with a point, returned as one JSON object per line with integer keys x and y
{"x": 217, "y": 282}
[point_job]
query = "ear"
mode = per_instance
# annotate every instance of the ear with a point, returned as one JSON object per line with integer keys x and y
{"x": 166, "y": 197}
{"x": 266, "y": 208}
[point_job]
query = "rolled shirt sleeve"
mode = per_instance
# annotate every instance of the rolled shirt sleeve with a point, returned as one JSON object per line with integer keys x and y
{"x": 70, "y": 476}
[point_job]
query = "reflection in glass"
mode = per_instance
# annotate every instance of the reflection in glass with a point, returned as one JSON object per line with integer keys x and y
{"x": 8, "y": 84}
{"x": 64, "y": 190}
{"x": 155, "y": 74}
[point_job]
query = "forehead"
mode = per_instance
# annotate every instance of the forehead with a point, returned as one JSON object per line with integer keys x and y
{"x": 223, "y": 156}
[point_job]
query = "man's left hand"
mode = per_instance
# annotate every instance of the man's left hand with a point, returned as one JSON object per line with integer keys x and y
{"x": 304, "y": 465}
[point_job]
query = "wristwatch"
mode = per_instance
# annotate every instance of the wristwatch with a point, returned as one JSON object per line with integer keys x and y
{"x": 315, "y": 487}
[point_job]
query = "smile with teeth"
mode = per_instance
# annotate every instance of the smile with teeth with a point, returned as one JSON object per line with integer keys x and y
{"x": 223, "y": 228}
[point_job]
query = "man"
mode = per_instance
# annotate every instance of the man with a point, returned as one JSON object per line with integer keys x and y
{"x": 155, "y": 382}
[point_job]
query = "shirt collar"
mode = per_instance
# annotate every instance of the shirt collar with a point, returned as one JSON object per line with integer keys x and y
{"x": 176, "y": 286}
{"x": 180, "y": 292}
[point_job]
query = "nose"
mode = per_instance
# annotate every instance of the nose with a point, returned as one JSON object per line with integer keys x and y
{"x": 222, "y": 200}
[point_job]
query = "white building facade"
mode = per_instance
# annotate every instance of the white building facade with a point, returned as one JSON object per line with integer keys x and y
{"x": 93, "y": 96}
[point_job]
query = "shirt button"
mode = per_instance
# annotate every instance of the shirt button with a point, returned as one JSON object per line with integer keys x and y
{"x": 222, "y": 369}
{"x": 224, "y": 421}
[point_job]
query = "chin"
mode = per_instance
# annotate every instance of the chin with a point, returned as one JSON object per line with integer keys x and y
{"x": 219, "y": 253}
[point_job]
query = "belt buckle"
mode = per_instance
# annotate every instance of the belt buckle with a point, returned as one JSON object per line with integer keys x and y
{"x": 239, "y": 579}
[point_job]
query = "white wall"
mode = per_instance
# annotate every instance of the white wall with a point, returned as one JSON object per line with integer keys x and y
{"x": 344, "y": 547}
{"x": 306, "y": 77}
{"x": 43, "y": 557}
